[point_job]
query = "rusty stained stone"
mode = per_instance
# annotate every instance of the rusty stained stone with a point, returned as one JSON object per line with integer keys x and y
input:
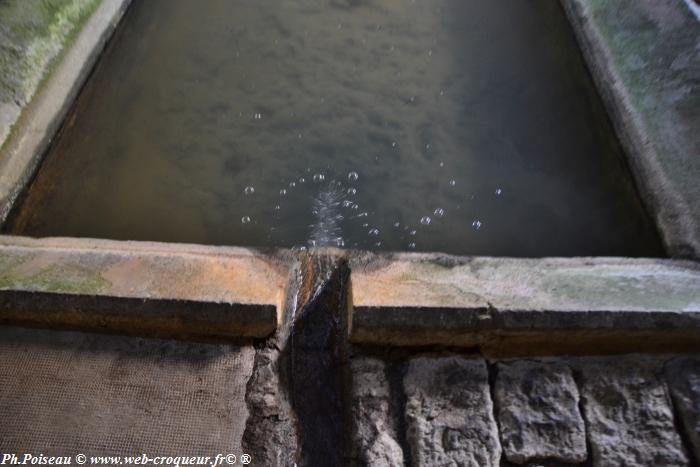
{"x": 141, "y": 287}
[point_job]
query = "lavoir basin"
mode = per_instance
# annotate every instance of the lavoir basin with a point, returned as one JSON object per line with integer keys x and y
{"x": 469, "y": 128}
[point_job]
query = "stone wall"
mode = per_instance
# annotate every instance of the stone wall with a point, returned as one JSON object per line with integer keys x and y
{"x": 457, "y": 410}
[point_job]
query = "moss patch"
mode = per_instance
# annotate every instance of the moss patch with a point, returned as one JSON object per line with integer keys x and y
{"x": 56, "y": 278}
{"x": 32, "y": 34}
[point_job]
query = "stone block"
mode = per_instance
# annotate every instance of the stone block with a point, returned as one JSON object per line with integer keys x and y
{"x": 449, "y": 413}
{"x": 628, "y": 413}
{"x": 683, "y": 376}
{"x": 374, "y": 427}
{"x": 538, "y": 414}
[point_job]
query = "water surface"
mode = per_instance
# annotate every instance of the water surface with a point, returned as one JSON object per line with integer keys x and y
{"x": 468, "y": 127}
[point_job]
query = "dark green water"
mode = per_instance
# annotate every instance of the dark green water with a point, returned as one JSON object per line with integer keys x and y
{"x": 467, "y": 127}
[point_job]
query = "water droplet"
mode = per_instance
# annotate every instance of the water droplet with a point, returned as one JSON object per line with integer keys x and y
{"x": 442, "y": 164}
{"x": 356, "y": 206}
{"x": 453, "y": 182}
{"x": 412, "y": 246}
{"x": 352, "y": 176}
{"x": 397, "y": 224}
{"x": 393, "y": 144}
{"x": 425, "y": 220}
{"x": 299, "y": 136}
{"x": 312, "y": 243}
{"x": 373, "y": 232}
{"x": 339, "y": 242}
{"x": 302, "y": 180}
{"x": 427, "y": 146}
{"x": 476, "y": 225}
{"x": 365, "y": 224}
{"x": 498, "y": 192}
{"x": 347, "y": 203}
{"x": 245, "y": 219}
{"x": 362, "y": 214}
{"x": 430, "y": 53}
{"x": 378, "y": 244}
{"x": 319, "y": 178}
{"x": 257, "y": 116}
{"x": 292, "y": 184}
{"x": 249, "y": 190}
{"x": 352, "y": 191}
{"x": 277, "y": 208}
{"x": 412, "y": 232}
{"x": 439, "y": 212}
{"x": 283, "y": 192}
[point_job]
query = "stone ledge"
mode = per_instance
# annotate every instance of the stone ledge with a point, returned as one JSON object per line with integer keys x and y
{"x": 37, "y": 123}
{"x": 643, "y": 57}
{"x": 420, "y": 300}
{"x": 149, "y": 289}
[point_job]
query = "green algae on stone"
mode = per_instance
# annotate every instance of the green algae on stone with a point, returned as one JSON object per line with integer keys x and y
{"x": 32, "y": 34}
{"x": 56, "y": 278}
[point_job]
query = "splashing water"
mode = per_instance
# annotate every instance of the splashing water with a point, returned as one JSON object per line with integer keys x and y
{"x": 326, "y": 207}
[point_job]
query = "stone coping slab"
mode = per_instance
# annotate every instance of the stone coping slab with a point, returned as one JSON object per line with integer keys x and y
{"x": 507, "y": 304}
{"x": 644, "y": 56}
{"x": 140, "y": 287}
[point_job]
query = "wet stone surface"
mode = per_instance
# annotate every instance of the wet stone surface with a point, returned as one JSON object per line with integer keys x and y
{"x": 629, "y": 414}
{"x": 538, "y": 414}
{"x": 449, "y": 413}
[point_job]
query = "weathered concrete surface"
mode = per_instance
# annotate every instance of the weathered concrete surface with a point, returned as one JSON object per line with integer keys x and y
{"x": 150, "y": 288}
{"x": 645, "y": 59}
{"x": 683, "y": 377}
{"x": 423, "y": 299}
{"x": 628, "y": 413}
{"x": 68, "y": 393}
{"x": 538, "y": 412}
{"x": 449, "y": 413}
{"x": 47, "y": 25}
{"x": 374, "y": 429}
